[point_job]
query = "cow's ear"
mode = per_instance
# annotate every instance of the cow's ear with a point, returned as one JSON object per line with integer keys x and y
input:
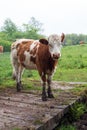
{"x": 43, "y": 41}
{"x": 62, "y": 37}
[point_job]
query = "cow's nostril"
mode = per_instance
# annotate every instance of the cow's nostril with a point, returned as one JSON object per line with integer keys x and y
{"x": 56, "y": 56}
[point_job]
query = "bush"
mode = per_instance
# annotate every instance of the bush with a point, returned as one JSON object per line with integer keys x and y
{"x": 69, "y": 127}
{"x": 76, "y": 111}
{"x": 6, "y": 45}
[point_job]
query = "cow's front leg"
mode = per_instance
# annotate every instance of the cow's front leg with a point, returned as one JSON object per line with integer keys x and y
{"x": 18, "y": 86}
{"x": 49, "y": 91}
{"x": 44, "y": 96}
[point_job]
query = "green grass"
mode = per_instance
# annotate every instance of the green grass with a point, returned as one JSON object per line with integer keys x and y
{"x": 68, "y": 127}
{"x": 74, "y": 57}
{"x": 72, "y": 66}
{"x": 16, "y": 129}
{"x": 76, "y": 111}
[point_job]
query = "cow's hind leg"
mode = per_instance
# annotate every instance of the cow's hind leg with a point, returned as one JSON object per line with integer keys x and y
{"x": 14, "y": 74}
{"x": 18, "y": 79}
{"x": 17, "y": 73}
{"x": 49, "y": 91}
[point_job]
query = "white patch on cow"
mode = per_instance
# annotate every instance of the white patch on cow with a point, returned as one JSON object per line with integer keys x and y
{"x": 14, "y": 61}
{"x": 33, "y": 45}
{"x": 13, "y": 54}
{"x": 54, "y": 71}
{"x": 38, "y": 46}
{"x": 28, "y": 64}
{"x": 42, "y": 74}
{"x": 56, "y": 49}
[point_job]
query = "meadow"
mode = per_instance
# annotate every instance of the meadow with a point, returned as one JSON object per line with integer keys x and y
{"x": 72, "y": 67}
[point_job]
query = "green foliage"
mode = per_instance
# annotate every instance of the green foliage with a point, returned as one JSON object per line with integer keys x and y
{"x": 76, "y": 111}
{"x": 74, "y": 39}
{"x": 10, "y": 32}
{"x": 33, "y": 25}
{"x": 16, "y": 129}
{"x": 68, "y": 127}
{"x": 6, "y": 45}
{"x": 9, "y": 28}
{"x": 32, "y": 29}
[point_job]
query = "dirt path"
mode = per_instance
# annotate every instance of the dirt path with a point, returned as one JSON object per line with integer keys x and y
{"x": 26, "y": 110}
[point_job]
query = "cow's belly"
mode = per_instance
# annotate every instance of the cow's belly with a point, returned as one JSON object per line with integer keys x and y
{"x": 29, "y": 65}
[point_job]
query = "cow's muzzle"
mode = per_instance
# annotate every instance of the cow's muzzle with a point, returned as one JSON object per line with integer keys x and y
{"x": 56, "y": 56}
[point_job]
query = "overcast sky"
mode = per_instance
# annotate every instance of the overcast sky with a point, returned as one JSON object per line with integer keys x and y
{"x": 57, "y": 16}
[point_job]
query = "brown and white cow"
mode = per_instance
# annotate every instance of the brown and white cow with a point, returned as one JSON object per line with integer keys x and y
{"x": 40, "y": 54}
{"x": 1, "y": 49}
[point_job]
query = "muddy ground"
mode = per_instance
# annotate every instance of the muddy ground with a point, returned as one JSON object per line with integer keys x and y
{"x": 26, "y": 110}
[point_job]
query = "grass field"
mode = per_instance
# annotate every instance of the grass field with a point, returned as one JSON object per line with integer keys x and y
{"x": 72, "y": 66}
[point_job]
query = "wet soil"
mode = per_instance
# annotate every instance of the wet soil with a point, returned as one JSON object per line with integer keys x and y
{"x": 26, "y": 110}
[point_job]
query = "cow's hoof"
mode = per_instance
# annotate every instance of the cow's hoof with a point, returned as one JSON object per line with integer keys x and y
{"x": 44, "y": 98}
{"x": 50, "y": 95}
{"x": 18, "y": 89}
{"x": 19, "y": 86}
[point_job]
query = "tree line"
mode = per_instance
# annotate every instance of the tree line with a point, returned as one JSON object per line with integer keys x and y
{"x": 74, "y": 39}
{"x": 9, "y": 32}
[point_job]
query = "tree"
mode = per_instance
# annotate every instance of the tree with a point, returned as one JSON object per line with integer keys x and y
{"x": 32, "y": 29}
{"x": 9, "y": 28}
{"x": 35, "y": 25}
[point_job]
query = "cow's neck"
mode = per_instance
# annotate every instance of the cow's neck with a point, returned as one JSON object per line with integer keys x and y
{"x": 52, "y": 63}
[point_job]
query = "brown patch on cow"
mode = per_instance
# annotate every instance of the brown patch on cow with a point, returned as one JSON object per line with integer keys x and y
{"x": 52, "y": 63}
{"x": 33, "y": 59}
{"x": 25, "y": 42}
{"x": 44, "y": 61}
{"x": 21, "y": 49}
{"x": 43, "y": 41}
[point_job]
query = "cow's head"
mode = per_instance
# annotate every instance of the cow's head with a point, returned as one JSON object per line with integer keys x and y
{"x": 55, "y": 44}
